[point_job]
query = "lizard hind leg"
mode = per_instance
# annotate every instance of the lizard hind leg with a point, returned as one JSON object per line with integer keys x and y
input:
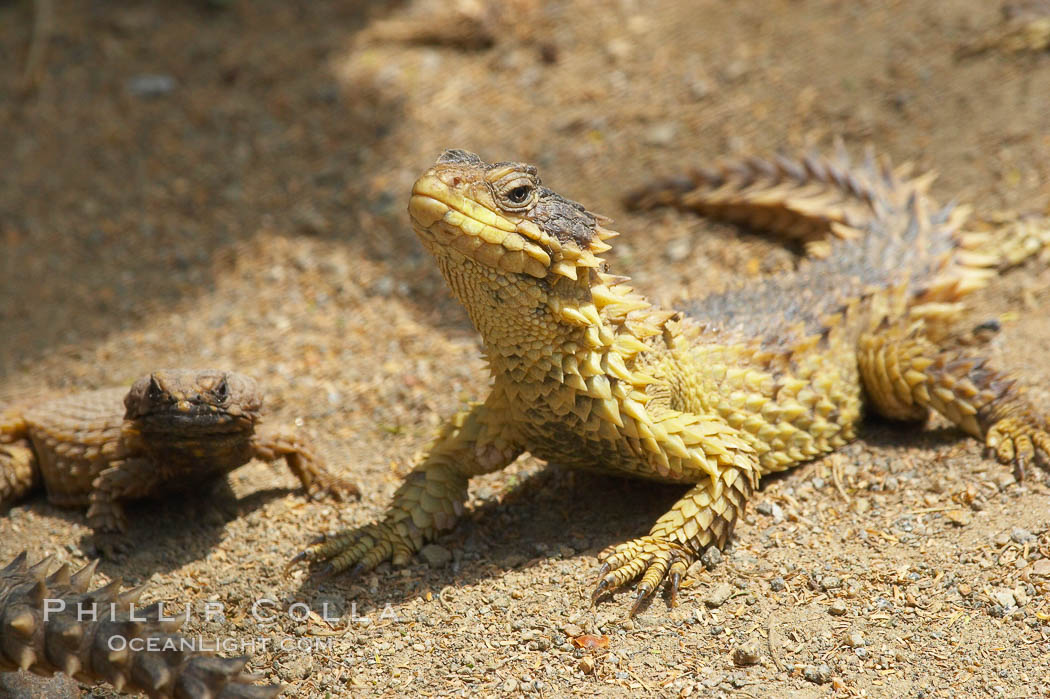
{"x": 703, "y": 517}
{"x": 905, "y": 374}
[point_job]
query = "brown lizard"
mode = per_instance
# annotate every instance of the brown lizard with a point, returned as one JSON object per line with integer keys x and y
{"x": 588, "y": 373}
{"x": 172, "y": 430}
{"x": 53, "y": 623}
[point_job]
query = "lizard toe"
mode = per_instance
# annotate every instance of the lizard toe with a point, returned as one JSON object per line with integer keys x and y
{"x": 110, "y": 544}
{"x": 1018, "y": 442}
{"x": 652, "y": 559}
{"x": 334, "y": 488}
{"x": 358, "y": 550}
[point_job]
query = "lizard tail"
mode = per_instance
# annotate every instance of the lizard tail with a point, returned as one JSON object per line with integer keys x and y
{"x": 40, "y": 631}
{"x": 976, "y": 257}
{"x": 811, "y": 200}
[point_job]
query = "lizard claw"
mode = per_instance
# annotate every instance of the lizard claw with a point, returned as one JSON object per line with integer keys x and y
{"x": 324, "y": 572}
{"x": 674, "y": 582}
{"x": 296, "y": 560}
{"x": 652, "y": 558}
{"x": 639, "y": 600}
{"x": 600, "y": 590}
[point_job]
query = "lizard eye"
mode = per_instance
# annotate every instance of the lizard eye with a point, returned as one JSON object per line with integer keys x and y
{"x": 155, "y": 390}
{"x": 519, "y": 195}
{"x": 222, "y": 391}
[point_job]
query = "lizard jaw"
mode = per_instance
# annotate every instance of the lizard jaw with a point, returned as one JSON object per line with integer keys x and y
{"x": 444, "y": 216}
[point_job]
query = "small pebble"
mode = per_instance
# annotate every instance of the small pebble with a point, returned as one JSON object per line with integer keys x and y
{"x": 679, "y": 249}
{"x": 777, "y": 584}
{"x": 772, "y": 509}
{"x": 1005, "y": 598}
{"x": 1022, "y": 536}
{"x": 711, "y": 557}
{"x": 662, "y": 134}
{"x": 830, "y": 582}
{"x": 837, "y": 608}
{"x": 718, "y": 596}
{"x": 817, "y": 674}
{"x": 959, "y": 517}
{"x": 1041, "y": 568}
{"x": 1001, "y": 539}
{"x": 699, "y": 88}
{"x": 855, "y": 639}
{"x": 586, "y": 665}
{"x": 572, "y": 630}
{"x": 148, "y": 85}
{"x": 748, "y": 654}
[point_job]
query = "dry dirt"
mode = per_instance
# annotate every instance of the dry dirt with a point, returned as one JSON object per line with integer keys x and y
{"x": 186, "y": 184}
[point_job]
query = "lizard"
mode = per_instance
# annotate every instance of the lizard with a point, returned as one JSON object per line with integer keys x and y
{"x": 753, "y": 380}
{"x": 172, "y": 429}
{"x": 48, "y": 624}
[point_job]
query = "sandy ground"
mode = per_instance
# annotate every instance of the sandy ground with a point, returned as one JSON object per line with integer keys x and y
{"x": 189, "y": 185}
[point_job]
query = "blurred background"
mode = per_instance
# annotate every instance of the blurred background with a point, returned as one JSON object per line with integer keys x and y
{"x": 224, "y": 183}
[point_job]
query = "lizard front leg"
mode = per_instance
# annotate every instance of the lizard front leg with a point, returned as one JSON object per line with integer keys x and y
{"x": 430, "y": 500}
{"x": 302, "y": 459}
{"x": 126, "y": 479}
{"x": 19, "y": 471}
{"x": 703, "y": 449}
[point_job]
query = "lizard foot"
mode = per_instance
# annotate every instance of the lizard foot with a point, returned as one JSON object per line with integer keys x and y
{"x": 110, "y": 545}
{"x": 327, "y": 486}
{"x": 1018, "y": 441}
{"x": 107, "y": 518}
{"x": 650, "y": 557}
{"x": 363, "y": 548}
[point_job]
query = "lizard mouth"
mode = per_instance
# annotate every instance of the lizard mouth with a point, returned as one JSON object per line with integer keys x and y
{"x": 198, "y": 420}
{"x": 442, "y": 215}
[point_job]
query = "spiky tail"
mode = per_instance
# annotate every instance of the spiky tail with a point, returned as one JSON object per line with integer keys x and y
{"x": 810, "y": 200}
{"x": 40, "y": 632}
{"x": 975, "y": 258}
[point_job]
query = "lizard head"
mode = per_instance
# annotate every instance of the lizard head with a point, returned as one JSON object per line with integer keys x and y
{"x": 524, "y": 262}
{"x": 502, "y": 217}
{"x": 204, "y": 402}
